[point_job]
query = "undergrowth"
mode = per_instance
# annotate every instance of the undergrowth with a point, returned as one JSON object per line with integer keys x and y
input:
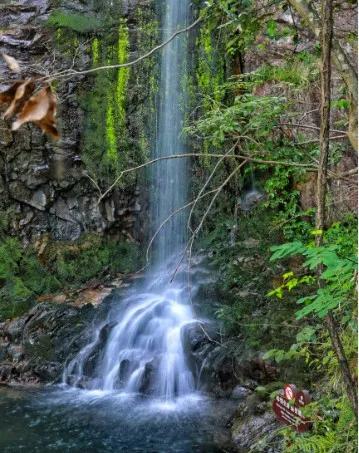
{"x": 24, "y": 276}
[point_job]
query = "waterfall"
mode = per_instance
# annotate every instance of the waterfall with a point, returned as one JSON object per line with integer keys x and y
{"x": 139, "y": 348}
{"x": 170, "y": 177}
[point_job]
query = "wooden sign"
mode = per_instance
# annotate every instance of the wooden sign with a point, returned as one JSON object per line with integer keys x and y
{"x": 287, "y": 406}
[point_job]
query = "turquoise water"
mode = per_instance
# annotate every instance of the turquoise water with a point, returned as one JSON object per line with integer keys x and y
{"x": 58, "y": 420}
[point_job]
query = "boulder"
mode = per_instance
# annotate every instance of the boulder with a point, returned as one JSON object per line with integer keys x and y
{"x": 259, "y": 431}
{"x": 36, "y": 346}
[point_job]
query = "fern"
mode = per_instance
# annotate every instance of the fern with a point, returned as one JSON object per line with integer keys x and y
{"x": 313, "y": 444}
{"x": 334, "y": 429}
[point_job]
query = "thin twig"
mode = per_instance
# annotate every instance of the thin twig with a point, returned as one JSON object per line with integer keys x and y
{"x": 173, "y": 213}
{"x": 208, "y": 155}
{"x": 209, "y": 207}
{"x": 307, "y": 126}
{"x": 206, "y": 184}
{"x": 337, "y": 137}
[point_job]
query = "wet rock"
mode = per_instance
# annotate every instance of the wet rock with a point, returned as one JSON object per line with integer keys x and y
{"x": 256, "y": 431}
{"x": 41, "y": 176}
{"x": 240, "y": 393}
{"x": 4, "y": 345}
{"x": 39, "y": 200}
{"x": 7, "y": 372}
{"x": 39, "y": 343}
{"x": 124, "y": 371}
{"x": 14, "y": 329}
{"x": 197, "y": 339}
{"x": 16, "y": 352}
{"x": 148, "y": 377}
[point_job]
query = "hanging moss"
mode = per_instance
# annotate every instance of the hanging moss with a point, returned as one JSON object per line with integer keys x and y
{"x": 95, "y": 46}
{"x": 123, "y": 73}
{"x": 209, "y": 74}
{"x": 208, "y": 79}
{"x": 111, "y": 140}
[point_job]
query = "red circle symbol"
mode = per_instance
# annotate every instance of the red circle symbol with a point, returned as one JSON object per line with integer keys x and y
{"x": 290, "y": 391}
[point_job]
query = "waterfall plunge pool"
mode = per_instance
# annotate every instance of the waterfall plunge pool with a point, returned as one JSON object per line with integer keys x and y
{"x": 55, "y": 419}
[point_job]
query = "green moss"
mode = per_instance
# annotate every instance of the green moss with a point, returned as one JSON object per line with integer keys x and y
{"x": 63, "y": 265}
{"x": 111, "y": 141}
{"x": 123, "y": 73}
{"x": 209, "y": 72}
{"x": 80, "y": 23}
{"x": 208, "y": 79}
{"x": 21, "y": 277}
{"x": 95, "y": 47}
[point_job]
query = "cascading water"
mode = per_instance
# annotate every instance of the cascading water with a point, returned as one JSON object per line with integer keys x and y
{"x": 143, "y": 349}
{"x": 170, "y": 176}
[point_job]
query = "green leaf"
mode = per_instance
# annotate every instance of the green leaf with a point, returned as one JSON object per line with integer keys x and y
{"x": 289, "y": 249}
{"x": 317, "y": 232}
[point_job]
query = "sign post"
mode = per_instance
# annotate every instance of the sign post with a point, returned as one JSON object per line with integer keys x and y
{"x": 287, "y": 404}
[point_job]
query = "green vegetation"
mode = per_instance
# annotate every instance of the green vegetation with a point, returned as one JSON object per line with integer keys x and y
{"x": 111, "y": 140}
{"x": 79, "y": 23}
{"x": 254, "y": 90}
{"x": 276, "y": 282}
{"x": 24, "y": 276}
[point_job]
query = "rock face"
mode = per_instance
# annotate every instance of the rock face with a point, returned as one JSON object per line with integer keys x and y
{"x": 35, "y": 347}
{"x": 45, "y": 185}
{"x": 221, "y": 372}
{"x": 258, "y": 429}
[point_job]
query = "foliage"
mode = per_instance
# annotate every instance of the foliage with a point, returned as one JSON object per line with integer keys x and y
{"x": 21, "y": 277}
{"x": 255, "y": 116}
{"x": 79, "y": 23}
{"x": 333, "y": 431}
{"x": 92, "y": 258}
{"x": 338, "y": 276}
{"x": 334, "y": 424}
{"x": 240, "y": 254}
{"x": 24, "y": 276}
{"x": 253, "y": 121}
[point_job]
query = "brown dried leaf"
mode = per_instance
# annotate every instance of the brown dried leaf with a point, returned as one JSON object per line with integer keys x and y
{"x": 8, "y": 95}
{"x": 11, "y": 62}
{"x": 49, "y": 128}
{"x": 22, "y": 92}
{"x": 41, "y": 110}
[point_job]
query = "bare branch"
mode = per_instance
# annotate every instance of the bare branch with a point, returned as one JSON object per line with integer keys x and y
{"x": 209, "y": 207}
{"x": 309, "y": 167}
{"x": 72, "y": 72}
{"x": 206, "y": 184}
{"x": 307, "y": 126}
{"x": 173, "y": 213}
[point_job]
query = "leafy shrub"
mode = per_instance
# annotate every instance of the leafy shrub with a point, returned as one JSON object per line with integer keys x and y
{"x": 338, "y": 278}
{"x": 333, "y": 431}
{"x": 77, "y": 265}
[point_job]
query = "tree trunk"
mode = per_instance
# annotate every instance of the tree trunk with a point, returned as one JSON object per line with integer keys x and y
{"x": 326, "y": 46}
{"x": 342, "y": 61}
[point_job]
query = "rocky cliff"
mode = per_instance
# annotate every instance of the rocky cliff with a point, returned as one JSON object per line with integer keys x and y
{"x": 47, "y": 187}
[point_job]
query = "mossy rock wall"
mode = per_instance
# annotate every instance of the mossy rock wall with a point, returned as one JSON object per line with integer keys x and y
{"x": 105, "y": 120}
